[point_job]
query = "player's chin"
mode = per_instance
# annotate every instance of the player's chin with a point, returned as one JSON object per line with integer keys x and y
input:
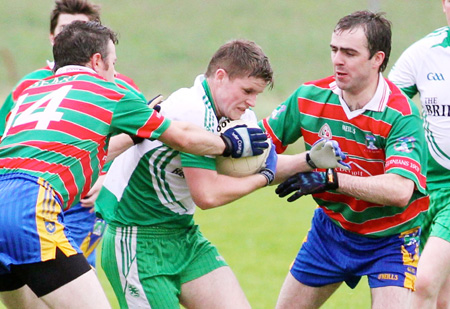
{"x": 236, "y": 114}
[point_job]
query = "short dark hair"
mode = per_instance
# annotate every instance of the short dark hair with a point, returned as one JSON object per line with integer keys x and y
{"x": 79, "y": 40}
{"x": 376, "y": 28}
{"x": 241, "y": 58}
{"x": 92, "y": 11}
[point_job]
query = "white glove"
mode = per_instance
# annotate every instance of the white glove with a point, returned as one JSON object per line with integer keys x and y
{"x": 326, "y": 153}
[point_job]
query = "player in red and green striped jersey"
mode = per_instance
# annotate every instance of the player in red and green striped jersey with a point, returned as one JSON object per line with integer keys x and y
{"x": 368, "y": 219}
{"x": 53, "y": 147}
{"x": 86, "y": 229}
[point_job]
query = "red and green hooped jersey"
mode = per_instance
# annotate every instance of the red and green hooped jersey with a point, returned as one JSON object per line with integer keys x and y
{"x": 29, "y": 79}
{"x": 385, "y": 137}
{"x": 24, "y": 83}
{"x": 60, "y": 127}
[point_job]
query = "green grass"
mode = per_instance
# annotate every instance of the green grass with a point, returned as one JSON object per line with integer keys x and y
{"x": 165, "y": 44}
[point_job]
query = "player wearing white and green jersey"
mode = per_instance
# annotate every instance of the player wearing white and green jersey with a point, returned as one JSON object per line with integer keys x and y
{"x": 424, "y": 68}
{"x": 152, "y": 171}
{"x": 153, "y": 252}
{"x": 54, "y": 144}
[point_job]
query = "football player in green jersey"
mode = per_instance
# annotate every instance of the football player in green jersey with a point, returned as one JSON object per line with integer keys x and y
{"x": 54, "y": 144}
{"x": 153, "y": 253}
{"x": 424, "y": 68}
{"x": 368, "y": 219}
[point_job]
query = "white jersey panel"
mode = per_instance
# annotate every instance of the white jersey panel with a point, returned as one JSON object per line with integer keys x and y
{"x": 426, "y": 66}
{"x": 163, "y": 165}
{"x": 122, "y": 168}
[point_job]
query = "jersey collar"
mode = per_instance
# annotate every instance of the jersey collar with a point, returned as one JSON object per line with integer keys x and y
{"x": 377, "y": 103}
{"x": 74, "y": 68}
{"x": 208, "y": 93}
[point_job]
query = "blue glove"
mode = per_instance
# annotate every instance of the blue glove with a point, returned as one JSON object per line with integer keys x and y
{"x": 326, "y": 153}
{"x": 241, "y": 141}
{"x": 308, "y": 183}
{"x": 270, "y": 167}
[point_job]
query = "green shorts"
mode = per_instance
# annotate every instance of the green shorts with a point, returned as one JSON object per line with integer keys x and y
{"x": 437, "y": 220}
{"x": 147, "y": 266}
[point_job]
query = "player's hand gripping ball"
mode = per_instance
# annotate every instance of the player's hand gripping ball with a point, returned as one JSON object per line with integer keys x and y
{"x": 240, "y": 167}
{"x": 241, "y": 140}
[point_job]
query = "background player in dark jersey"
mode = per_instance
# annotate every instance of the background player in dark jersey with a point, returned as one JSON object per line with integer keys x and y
{"x": 54, "y": 144}
{"x": 369, "y": 218}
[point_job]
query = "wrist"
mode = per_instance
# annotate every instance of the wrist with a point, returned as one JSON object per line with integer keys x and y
{"x": 310, "y": 161}
{"x": 227, "y": 142}
{"x": 268, "y": 174}
{"x": 332, "y": 181}
{"x": 136, "y": 139}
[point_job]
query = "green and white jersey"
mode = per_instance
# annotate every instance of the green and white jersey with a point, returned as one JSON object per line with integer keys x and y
{"x": 424, "y": 68}
{"x": 145, "y": 186}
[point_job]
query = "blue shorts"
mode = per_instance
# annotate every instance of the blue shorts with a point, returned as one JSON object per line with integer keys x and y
{"x": 330, "y": 254}
{"x": 31, "y": 222}
{"x": 85, "y": 229}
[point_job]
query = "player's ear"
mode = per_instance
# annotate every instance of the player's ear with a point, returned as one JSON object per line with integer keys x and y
{"x": 96, "y": 61}
{"x": 378, "y": 58}
{"x": 51, "y": 37}
{"x": 220, "y": 74}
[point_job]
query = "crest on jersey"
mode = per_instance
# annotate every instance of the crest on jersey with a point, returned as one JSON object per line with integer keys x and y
{"x": 370, "y": 142}
{"x": 325, "y": 132}
{"x": 405, "y": 144}
{"x": 50, "y": 226}
{"x": 133, "y": 290}
{"x": 278, "y": 111}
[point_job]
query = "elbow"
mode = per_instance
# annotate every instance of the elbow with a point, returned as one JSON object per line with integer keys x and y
{"x": 176, "y": 138}
{"x": 400, "y": 202}
{"x": 403, "y": 193}
{"x": 205, "y": 201}
{"x": 402, "y": 199}
{"x": 181, "y": 144}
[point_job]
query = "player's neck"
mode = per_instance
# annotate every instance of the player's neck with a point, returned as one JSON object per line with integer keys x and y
{"x": 358, "y": 99}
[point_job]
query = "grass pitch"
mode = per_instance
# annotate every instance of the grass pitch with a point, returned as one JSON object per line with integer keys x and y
{"x": 165, "y": 44}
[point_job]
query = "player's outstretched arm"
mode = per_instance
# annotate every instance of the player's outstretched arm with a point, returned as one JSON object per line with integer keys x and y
{"x": 386, "y": 189}
{"x": 238, "y": 142}
{"x": 210, "y": 189}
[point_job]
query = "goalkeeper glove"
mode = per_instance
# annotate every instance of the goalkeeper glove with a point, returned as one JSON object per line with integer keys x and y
{"x": 308, "y": 183}
{"x": 270, "y": 167}
{"x": 326, "y": 153}
{"x": 241, "y": 141}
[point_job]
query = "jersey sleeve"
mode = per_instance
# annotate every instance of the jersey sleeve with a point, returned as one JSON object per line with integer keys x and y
{"x": 190, "y": 160}
{"x": 4, "y": 111}
{"x": 133, "y": 116}
{"x": 406, "y": 153}
{"x": 24, "y": 83}
{"x": 404, "y": 71}
{"x": 283, "y": 125}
